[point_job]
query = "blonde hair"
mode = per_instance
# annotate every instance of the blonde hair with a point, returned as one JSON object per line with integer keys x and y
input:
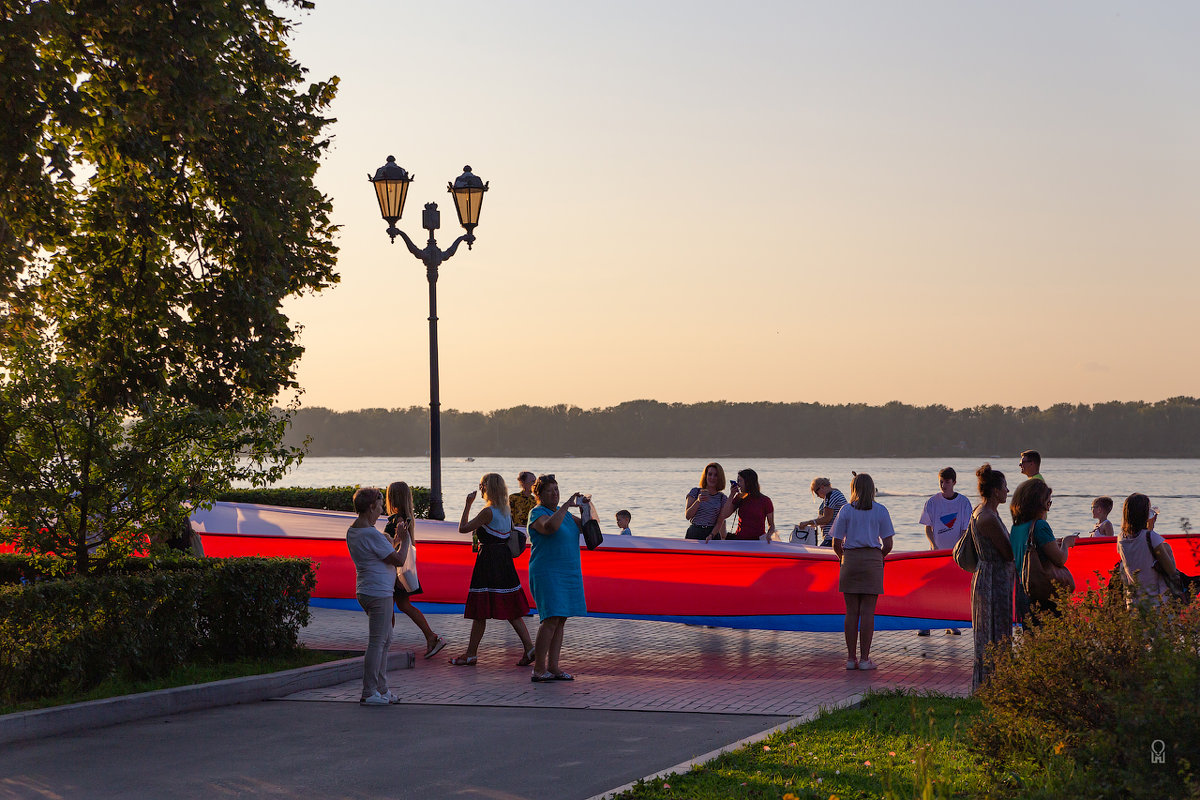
{"x": 720, "y": 476}
{"x": 400, "y": 501}
{"x": 817, "y": 483}
{"x": 495, "y": 491}
{"x": 862, "y": 492}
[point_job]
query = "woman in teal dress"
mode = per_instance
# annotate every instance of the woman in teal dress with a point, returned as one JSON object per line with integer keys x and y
{"x": 555, "y": 575}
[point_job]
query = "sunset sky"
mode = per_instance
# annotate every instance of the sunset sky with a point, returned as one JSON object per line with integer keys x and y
{"x": 931, "y": 202}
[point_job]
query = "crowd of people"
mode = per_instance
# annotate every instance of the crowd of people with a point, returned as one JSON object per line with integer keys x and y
{"x": 998, "y": 585}
{"x": 858, "y": 529}
{"x": 386, "y": 576}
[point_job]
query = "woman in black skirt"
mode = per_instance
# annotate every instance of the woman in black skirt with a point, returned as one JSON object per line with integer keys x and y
{"x": 401, "y": 520}
{"x": 496, "y": 591}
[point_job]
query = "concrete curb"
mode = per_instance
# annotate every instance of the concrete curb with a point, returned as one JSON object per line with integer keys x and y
{"x": 44, "y": 722}
{"x": 852, "y": 702}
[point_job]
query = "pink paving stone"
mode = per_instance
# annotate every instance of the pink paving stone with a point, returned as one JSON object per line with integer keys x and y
{"x": 660, "y": 666}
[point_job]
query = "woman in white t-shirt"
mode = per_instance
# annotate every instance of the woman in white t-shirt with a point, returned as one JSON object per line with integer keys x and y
{"x": 862, "y": 535}
{"x": 375, "y": 561}
{"x": 1139, "y": 548}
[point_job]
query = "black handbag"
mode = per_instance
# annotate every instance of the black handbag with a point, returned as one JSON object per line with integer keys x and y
{"x": 592, "y": 536}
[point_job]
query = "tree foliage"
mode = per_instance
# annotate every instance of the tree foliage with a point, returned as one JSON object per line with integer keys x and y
{"x": 646, "y": 428}
{"x": 157, "y": 205}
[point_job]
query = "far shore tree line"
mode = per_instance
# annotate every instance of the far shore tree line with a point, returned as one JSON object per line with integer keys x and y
{"x": 647, "y": 428}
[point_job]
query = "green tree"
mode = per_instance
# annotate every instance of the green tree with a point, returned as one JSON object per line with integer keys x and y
{"x": 157, "y": 205}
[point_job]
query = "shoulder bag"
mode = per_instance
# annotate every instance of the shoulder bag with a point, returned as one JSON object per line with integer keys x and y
{"x": 966, "y": 552}
{"x": 1039, "y": 579}
{"x": 518, "y": 540}
{"x": 592, "y": 537}
{"x": 407, "y": 573}
{"x": 1181, "y": 586}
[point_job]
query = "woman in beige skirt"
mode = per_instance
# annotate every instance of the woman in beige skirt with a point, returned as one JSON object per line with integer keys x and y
{"x": 862, "y": 535}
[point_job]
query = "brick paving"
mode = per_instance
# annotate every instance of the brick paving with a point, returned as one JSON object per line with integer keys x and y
{"x": 627, "y": 665}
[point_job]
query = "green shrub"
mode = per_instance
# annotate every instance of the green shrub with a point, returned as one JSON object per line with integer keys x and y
{"x": 333, "y": 498}
{"x": 15, "y": 568}
{"x": 1075, "y": 706}
{"x": 143, "y": 621}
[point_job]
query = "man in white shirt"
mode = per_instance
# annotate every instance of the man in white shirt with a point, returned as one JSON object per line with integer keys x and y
{"x": 945, "y": 517}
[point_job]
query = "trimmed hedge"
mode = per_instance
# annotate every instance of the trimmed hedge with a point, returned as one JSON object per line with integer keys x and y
{"x": 61, "y": 635}
{"x": 332, "y": 498}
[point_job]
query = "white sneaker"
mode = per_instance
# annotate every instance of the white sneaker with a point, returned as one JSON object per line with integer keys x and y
{"x": 866, "y": 663}
{"x": 376, "y": 699}
{"x": 391, "y": 698}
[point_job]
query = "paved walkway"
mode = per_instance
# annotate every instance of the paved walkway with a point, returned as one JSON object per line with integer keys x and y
{"x": 625, "y": 665}
{"x": 648, "y": 696}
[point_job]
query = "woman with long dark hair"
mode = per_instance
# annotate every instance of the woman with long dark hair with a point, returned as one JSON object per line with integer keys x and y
{"x": 992, "y": 583}
{"x": 755, "y": 511}
{"x": 862, "y": 535}
{"x": 401, "y": 526}
{"x": 1140, "y": 548}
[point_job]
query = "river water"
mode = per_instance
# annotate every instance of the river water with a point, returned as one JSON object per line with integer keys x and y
{"x": 653, "y": 489}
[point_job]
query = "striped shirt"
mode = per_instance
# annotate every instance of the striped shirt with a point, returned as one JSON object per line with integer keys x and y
{"x": 834, "y": 500}
{"x": 707, "y": 513}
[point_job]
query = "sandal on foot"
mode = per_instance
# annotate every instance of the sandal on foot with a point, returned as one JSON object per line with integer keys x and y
{"x": 435, "y": 648}
{"x": 464, "y": 661}
{"x": 563, "y": 676}
{"x": 526, "y": 659}
{"x": 542, "y": 678}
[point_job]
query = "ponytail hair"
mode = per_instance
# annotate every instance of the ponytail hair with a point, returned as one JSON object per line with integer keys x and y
{"x": 989, "y": 480}
{"x": 862, "y": 491}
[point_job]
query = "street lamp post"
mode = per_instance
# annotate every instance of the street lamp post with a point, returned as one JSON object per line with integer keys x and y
{"x": 391, "y": 188}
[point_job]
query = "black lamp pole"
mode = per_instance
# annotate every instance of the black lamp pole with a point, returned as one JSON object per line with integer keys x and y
{"x": 391, "y": 187}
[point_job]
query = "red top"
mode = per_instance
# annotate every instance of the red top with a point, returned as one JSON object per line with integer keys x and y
{"x": 752, "y": 516}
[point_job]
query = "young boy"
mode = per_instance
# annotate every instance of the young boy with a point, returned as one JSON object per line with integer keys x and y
{"x": 945, "y": 517}
{"x": 1101, "y": 508}
{"x": 623, "y": 518}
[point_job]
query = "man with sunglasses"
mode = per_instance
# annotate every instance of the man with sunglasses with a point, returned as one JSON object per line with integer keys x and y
{"x": 1031, "y": 465}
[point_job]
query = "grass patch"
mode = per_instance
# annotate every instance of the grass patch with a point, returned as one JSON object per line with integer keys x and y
{"x": 187, "y": 676}
{"x": 895, "y": 745}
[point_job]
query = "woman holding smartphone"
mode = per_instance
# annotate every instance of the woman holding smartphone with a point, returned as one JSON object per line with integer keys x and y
{"x": 755, "y": 511}
{"x": 1030, "y": 505}
{"x": 704, "y": 502}
{"x": 1140, "y": 548}
{"x": 555, "y": 574}
{"x": 401, "y": 527}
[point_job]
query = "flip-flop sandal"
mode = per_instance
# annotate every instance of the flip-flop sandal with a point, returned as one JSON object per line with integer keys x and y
{"x": 543, "y": 678}
{"x": 526, "y": 659}
{"x": 563, "y": 676}
{"x": 464, "y": 661}
{"x": 437, "y": 647}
